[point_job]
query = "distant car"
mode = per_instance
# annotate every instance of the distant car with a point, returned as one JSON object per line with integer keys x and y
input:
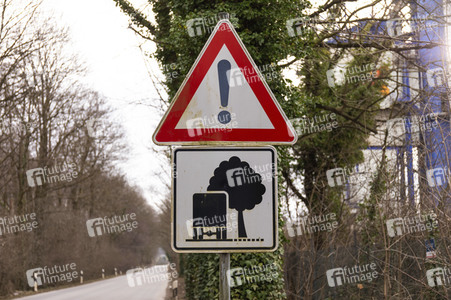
{"x": 209, "y": 215}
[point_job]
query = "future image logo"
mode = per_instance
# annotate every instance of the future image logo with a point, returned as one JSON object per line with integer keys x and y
{"x": 241, "y": 76}
{"x": 253, "y": 274}
{"x": 247, "y": 175}
{"x": 437, "y": 176}
{"x": 416, "y": 124}
{"x": 342, "y": 74}
{"x": 315, "y": 124}
{"x": 436, "y": 77}
{"x": 336, "y": 177}
{"x": 96, "y": 127}
{"x": 209, "y": 125}
{"x": 171, "y": 71}
{"x": 205, "y": 25}
{"x": 159, "y": 273}
{"x": 395, "y": 226}
{"x": 115, "y": 224}
{"x": 33, "y": 275}
{"x": 339, "y": 176}
{"x": 334, "y": 76}
{"x": 411, "y": 224}
{"x": 197, "y": 226}
{"x": 295, "y": 26}
{"x": 394, "y": 27}
{"x": 304, "y": 25}
{"x": 35, "y": 177}
{"x": 438, "y": 276}
{"x": 135, "y": 277}
{"x": 340, "y": 276}
{"x": 39, "y": 176}
{"x": 9, "y": 225}
{"x": 235, "y": 276}
{"x": 55, "y": 274}
{"x": 311, "y": 224}
{"x": 241, "y": 176}
{"x": 422, "y": 22}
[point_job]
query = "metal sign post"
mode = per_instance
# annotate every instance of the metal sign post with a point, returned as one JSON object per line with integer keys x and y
{"x": 224, "y": 266}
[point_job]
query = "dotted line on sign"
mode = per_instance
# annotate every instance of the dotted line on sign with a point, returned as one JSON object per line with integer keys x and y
{"x": 248, "y": 240}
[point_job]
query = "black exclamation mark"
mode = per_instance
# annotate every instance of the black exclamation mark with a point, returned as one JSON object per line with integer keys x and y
{"x": 224, "y": 68}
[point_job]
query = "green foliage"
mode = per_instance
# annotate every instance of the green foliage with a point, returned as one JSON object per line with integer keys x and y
{"x": 202, "y": 274}
{"x": 354, "y": 105}
{"x": 261, "y": 27}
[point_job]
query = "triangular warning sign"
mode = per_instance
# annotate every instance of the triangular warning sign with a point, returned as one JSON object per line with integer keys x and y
{"x": 224, "y": 100}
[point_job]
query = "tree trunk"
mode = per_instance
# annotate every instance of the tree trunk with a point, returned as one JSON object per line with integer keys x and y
{"x": 241, "y": 229}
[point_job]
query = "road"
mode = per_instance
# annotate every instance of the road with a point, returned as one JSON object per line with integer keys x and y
{"x": 117, "y": 288}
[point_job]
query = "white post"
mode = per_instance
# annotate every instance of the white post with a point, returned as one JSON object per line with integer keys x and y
{"x": 103, "y": 274}
{"x": 175, "y": 285}
{"x": 35, "y": 276}
{"x": 115, "y": 271}
{"x": 81, "y": 276}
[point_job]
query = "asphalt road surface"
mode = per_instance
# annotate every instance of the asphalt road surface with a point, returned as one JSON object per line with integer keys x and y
{"x": 152, "y": 287}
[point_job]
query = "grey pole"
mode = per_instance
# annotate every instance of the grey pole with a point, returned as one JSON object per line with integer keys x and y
{"x": 224, "y": 266}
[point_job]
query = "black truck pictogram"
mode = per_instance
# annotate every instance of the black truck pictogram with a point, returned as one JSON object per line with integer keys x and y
{"x": 209, "y": 215}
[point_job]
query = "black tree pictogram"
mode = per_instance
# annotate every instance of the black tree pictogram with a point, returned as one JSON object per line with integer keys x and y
{"x": 244, "y": 194}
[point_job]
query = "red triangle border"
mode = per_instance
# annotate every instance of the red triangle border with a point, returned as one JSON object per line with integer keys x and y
{"x": 224, "y": 34}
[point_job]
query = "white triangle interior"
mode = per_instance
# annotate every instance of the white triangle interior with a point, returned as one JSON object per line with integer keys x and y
{"x": 245, "y": 108}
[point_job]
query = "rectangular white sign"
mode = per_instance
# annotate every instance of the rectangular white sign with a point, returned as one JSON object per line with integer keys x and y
{"x": 224, "y": 199}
